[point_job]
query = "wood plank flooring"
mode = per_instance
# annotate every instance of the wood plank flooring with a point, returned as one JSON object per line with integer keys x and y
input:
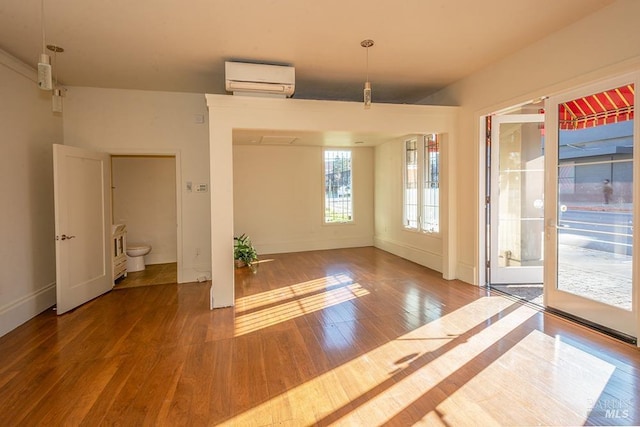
{"x": 341, "y": 337}
{"x": 153, "y": 274}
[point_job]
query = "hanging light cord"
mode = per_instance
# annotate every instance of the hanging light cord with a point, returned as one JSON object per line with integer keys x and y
{"x": 367, "y": 63}
{"x": 55, "y": 67}
{"x": 44, "y": 46}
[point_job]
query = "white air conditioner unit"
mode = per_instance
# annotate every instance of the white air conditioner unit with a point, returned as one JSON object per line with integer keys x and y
{"x": 243, "y": 78}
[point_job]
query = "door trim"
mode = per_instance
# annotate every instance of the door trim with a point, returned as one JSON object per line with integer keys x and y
{"x": 178, "y": 161}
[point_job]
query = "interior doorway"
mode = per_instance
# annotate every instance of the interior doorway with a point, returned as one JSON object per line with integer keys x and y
{"x": 144, "y": 199}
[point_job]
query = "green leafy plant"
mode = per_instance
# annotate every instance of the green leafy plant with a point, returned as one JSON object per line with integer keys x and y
{"x": 244, "y": 252}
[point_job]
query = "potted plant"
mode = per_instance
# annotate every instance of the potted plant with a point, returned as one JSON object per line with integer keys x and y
{"x": 244, "y": 253}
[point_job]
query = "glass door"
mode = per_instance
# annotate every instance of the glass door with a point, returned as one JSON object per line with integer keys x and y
{"x": 517, "y": 200}
{"x": 590, "y": 205}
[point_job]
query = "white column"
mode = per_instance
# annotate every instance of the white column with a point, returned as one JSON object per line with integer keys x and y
{"x": 221, "y": 170}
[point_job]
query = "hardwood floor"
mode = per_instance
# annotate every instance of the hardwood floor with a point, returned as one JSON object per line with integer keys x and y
{"x": 341, "y": 337}
{"x": 153, "y": 274}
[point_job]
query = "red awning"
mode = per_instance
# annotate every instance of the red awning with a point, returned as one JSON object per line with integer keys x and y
{"x": 611, "y": 106}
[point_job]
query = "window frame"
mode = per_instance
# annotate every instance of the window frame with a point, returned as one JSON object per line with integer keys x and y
{"x": 423, "y": 181}
{"x": 406, "y": 220}
{"x": 350, "y": 198}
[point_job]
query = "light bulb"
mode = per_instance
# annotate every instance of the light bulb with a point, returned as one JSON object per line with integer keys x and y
{"x": 367, "y": 95}
{"x": 44, "y": 72}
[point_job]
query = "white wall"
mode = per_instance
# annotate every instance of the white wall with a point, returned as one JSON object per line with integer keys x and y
{"x": 600, "y": 45}
{"x": 162, "y": 123}
{"x": 27, "y": 252}
{"x": 144, "y": 198}
{"x": 278, "y": 199}
{"x": 227, "y": 113}
{"x": 421, "y": 248}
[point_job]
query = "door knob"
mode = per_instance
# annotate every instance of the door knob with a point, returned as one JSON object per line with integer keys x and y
{"x": 65, "y": 237}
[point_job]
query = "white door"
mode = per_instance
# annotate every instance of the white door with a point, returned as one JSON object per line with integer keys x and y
{"x": 82, "y": 185}
{"x": 591, "y": 263}
{"x": 517, "y": 199}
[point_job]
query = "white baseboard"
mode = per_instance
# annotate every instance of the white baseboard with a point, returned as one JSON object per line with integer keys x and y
{"x": 466, "y": 273}
{"x": 187, "y": 275}
{"x": 159, "y": 259}
{"x": 419, "y": 256}
{"x": 23, "y": 309}
{"x": 313, "y": 245}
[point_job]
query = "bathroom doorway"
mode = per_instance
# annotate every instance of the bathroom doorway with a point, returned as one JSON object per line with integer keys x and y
{"x": 144, "y": 199}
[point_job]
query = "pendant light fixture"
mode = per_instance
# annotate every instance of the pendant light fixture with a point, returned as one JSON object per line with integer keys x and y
{"x": 56, "y": 99}
{"x": 367, "y": 85}
{"x": 44, "y": 64}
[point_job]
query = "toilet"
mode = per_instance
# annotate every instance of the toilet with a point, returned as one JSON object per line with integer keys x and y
{"x": 135, "y": 256}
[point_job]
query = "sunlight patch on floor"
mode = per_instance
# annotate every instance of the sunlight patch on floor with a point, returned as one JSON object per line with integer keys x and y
{"x": 284, "y": 293}
{"x": 430, "y": 369}
{"x": 300, "y": 305}
{"x": 380, "y": 369}
{"x": 564, "y": 389}
{"x": 429, "y": 374}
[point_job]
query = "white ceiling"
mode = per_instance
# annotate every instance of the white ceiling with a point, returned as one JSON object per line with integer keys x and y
{"x": 309, "y": 138}
{"x": 172, "y": 45}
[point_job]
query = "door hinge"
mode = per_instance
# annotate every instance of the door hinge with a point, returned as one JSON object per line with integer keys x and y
{"x": 488, "y": 264}
{"x": 487, "y": 200}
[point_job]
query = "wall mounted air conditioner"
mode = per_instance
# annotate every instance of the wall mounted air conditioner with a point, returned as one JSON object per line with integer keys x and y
{"x": 243, "y": 78}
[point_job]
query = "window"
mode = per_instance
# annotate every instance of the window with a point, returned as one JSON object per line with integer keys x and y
{"x": 422, "y": 184}
{"x": 411, "y": 184}
{"x": 338, "y": 196}
{"x": 431, "y": 187}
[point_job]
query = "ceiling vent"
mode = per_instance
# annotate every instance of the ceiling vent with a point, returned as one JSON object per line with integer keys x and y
{"x": 243, "y": 78}
{"x": 278, "y": 140}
